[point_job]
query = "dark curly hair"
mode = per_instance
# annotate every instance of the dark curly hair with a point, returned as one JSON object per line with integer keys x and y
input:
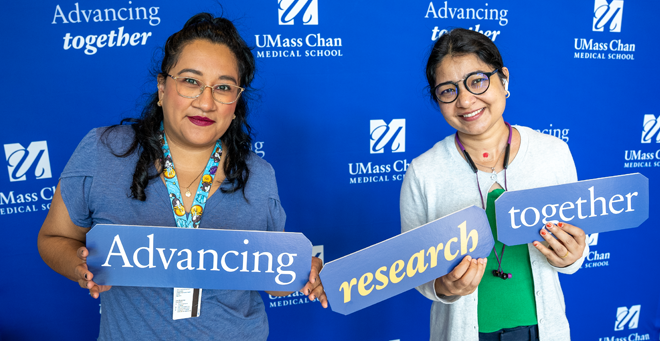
{"x": 237, "y": 139}
{"x": 459, "y": 42}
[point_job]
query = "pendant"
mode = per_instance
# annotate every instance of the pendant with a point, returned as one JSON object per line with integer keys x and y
{"x": 188, "y": 193}
{"x": 493, "y": 175}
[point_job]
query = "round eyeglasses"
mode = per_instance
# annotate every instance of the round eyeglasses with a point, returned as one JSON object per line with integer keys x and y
{"x": 189, "y": 87}
{"x": 476, "y": 82}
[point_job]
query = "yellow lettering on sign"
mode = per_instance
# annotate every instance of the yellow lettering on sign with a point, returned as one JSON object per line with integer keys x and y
{"x": 382, "y": 278}
{"x": 474, "y": 235}
{"x": 433, "y": 254}
{"x": 364, "y": 280}
{"x": 416, "y": 264}
{"x": 420, "y": 267}
{"x": 448, "y": 255}
{"x": 346, "y": 288}
{"x": 396, "y": 268}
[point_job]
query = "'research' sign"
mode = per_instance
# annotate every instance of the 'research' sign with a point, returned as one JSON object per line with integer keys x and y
{"x": 401, "y": 263}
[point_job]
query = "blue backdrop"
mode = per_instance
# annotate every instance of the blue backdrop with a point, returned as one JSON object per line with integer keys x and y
{"x": 331, "y": 78}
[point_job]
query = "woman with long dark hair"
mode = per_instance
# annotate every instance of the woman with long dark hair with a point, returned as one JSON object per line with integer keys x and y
{"x": 514, "y": 294}
{"x": 185, "y": 162}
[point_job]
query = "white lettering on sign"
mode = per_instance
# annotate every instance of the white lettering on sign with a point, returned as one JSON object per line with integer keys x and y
{"x": 530, "y": 216}
{"x": 186, "y": 259}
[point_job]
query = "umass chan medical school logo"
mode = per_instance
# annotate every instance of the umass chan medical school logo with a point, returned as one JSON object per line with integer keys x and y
{"x": 290, "y": 11}
{"x": 385, "y": 138}
{"x": 648, "y": 155}
{"x": 607, "y": 17}
{"x": 627, "y": 318}
{"x": 383, "y": 134}
{"x": 306, "y": 39}
{"x": 31, "y": 161}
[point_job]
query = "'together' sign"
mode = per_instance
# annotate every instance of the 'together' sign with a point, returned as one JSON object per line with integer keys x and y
{"x": 598, "y": 205}
{"x": 403, "y": 262}
{"x": 198, "y": 258}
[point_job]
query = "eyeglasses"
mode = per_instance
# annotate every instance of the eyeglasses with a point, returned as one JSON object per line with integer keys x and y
{"x": 191, "y": 88}
{"x": 475, "y": 82}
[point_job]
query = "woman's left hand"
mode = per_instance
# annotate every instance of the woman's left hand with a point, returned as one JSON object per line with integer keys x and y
{"x": 314, "y": 288}
{"x": 566, "y": 246}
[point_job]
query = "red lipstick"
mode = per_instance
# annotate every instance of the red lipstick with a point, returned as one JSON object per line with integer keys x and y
{"x": 200, "y": 121}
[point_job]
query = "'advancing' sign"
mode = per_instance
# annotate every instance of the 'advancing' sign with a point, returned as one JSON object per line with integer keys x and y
{"x": 171, "y": 257}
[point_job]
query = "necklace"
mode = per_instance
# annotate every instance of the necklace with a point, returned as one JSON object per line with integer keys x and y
{"x": 188, "y": 194}
{"x": 493, "y": 175}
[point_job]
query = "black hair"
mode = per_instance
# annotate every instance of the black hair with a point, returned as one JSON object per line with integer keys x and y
{"x": 460, "y": 42}
{"x": 237, "y": 140}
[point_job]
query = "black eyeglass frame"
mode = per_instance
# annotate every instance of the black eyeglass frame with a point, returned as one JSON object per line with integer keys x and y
{"x": 487, "y": 74}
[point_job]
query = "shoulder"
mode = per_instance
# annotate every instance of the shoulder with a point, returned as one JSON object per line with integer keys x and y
{"x": 262, "y": 174}
{"x": 259, "y": 166}
{"x": 98, "y": 145}
{"x": 438, "y": 153}
{"x": 115, "y": 138}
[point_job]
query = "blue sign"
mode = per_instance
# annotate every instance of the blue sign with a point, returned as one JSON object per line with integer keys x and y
{"x": 170, "y": 257}
{"x": 401, "y": 263}
{"x": 597, "y": 205}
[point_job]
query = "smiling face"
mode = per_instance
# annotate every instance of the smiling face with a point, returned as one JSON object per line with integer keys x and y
{"x": 471, "y": 114}
{"x": 198, "y": 122}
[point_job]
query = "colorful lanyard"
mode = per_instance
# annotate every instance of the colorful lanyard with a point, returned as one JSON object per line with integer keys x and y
{"x": 499, "y": 272}
{"x": 193, "y": 219}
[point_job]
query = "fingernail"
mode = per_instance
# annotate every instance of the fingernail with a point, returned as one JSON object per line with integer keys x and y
{"x": 543, "y": 233}
{"x": 548, "y": 225}
{"x": 551, "y": 226}
{"x": 469, "y": 258}
{"x": 560, "y": 224}
{"x": 536, "y": 243}
{"x": 474, "y": 261}
{"x": 311, "y": 297}
{"x": 482, "y": 261}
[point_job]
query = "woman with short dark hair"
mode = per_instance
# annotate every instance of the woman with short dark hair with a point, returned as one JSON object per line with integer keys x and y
{"x": 515, "y": 292}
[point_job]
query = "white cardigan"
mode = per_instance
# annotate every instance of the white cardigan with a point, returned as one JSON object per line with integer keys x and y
{"x": 440, "y": 182}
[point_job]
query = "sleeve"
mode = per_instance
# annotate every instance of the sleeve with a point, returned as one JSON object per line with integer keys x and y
{"x": 412, "y": 205}
{"x": 277, "y": 216}
{"x": 570, "y": 172}
{"x": 76, "y": 180}
{"x": 569, "y": 175}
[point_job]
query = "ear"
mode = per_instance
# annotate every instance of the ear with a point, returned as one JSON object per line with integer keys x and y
{"x": 161, "y": 86}
{"x": 506, "y": 79}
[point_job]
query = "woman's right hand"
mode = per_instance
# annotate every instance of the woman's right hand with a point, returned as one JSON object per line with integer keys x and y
{"x": 85, "y": 276}
{"x": 463, "y": 280}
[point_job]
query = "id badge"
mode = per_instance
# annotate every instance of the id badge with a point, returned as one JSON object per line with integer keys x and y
{"x": 187, "y": 303}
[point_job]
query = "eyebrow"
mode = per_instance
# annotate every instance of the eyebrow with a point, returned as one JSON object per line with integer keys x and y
{"x": 464, "y": 76}
{"x": 199, "y": 73}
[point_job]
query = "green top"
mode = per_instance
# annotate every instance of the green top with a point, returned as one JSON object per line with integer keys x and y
{"x": 506, "y": 303}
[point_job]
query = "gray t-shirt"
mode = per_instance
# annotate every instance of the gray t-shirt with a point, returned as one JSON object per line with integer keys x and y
{"x": 95, "y": 187}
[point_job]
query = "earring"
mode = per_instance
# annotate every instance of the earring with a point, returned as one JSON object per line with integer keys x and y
{"x": 234, "y": 117}
{"x": 508, "y": 94}
{"x": 160, "y": 103}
